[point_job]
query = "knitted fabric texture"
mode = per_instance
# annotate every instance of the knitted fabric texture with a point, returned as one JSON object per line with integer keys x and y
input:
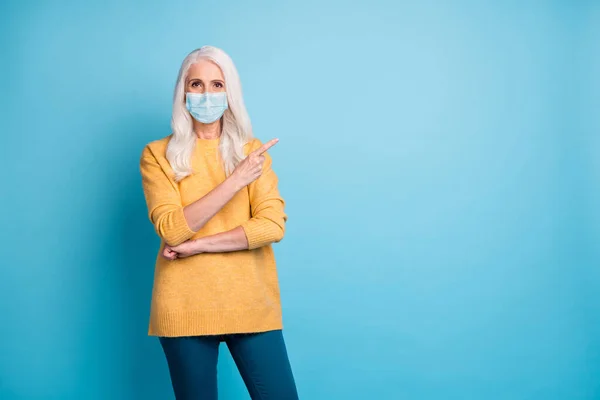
{"x": 213, "y": 293}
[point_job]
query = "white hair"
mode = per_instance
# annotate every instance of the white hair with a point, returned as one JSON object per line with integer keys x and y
{"x": 236, "y": 126}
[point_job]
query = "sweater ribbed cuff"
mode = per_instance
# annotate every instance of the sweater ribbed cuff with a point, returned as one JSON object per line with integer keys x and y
{"x": 259, "y": 232}
{"x": 178, "y": 230}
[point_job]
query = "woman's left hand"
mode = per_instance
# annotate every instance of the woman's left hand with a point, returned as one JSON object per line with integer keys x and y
{"x": 185, "y": 249}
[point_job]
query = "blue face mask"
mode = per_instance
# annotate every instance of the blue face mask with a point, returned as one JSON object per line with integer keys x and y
{"x": 206, "y": 107}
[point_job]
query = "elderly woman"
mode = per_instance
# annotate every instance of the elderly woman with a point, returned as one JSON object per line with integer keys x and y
{"x": 213, "y": 199}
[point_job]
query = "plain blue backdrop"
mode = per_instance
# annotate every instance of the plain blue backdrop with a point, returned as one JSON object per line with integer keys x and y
{"x": 440, "y": 161}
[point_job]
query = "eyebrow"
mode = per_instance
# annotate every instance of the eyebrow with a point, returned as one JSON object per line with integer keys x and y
{"x": 198, "y": 79}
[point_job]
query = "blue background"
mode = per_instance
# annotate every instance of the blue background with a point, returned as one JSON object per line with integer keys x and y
{"x": 440, "y": 161}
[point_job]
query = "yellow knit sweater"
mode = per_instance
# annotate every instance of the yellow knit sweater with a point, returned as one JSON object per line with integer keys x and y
{"x": 213, "y": 293}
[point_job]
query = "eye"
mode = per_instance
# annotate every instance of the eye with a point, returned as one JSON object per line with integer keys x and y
{"x": 219, "y": 84}
{"x": 195, "y": 84}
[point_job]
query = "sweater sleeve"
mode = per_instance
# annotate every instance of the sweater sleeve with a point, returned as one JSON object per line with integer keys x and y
{"x": 163, "y": 200}
{"x": 267, "y": 224}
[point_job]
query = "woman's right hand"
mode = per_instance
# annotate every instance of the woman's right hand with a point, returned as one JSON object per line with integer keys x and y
{"x": 250, "y": 168}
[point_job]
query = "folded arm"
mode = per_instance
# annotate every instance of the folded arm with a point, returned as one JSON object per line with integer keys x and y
{"x": 165, "y": 210}
{"x": 173, "y": 222}
{"x": 267, "y": 222}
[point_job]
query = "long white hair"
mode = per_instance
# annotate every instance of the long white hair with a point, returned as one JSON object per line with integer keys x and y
{"x": 236, "y": 126}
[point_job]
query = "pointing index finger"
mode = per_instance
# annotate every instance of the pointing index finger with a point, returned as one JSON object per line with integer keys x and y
{"x": 266, "y": 146}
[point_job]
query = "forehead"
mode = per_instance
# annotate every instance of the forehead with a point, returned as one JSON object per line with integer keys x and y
{"x": 205, "y": 70}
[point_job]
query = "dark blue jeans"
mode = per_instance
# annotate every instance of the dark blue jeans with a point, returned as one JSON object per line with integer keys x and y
{"x": 261, "y": 358}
